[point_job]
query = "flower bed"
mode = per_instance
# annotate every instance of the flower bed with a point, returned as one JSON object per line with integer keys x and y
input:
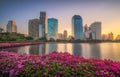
{"x": 2, "y": 45}
{"x": 55, "y": 65}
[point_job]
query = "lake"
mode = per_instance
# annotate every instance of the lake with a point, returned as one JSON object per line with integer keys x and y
{"x": 87, "y": 50}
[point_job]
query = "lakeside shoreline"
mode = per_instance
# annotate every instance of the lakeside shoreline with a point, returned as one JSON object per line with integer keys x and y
{"x": 65, "y": 41}
{"x": 17, "y": 44}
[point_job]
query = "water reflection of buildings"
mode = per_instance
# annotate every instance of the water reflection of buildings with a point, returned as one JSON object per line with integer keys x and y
{"x": 86, "y": 50}
{"x": 95, "y": 51}
{"x": 24, "y": 49}
{"x": 37, "y": 49}
{"x": 65, "y": 47}
{"x": 77, "y": 49}
{"x": 34, "y": 49}
{"x": 51, "y": 47}
{"x": 42, "y": 49}
{"x": 12, "y": 49}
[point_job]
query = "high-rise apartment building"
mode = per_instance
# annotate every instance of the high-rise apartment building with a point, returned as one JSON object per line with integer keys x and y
{"x": 77, "y": 27}
{"x": 96, "y": 30}
{"x": 33, "y": 28}
{"x": 11, "y": 26}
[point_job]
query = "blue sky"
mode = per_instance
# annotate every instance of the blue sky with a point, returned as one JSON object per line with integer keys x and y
{"x": 106, "y": 11}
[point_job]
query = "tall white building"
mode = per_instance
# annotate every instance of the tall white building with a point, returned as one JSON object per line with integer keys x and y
{"x": 96, "y": 29}
{"x": 11, "y": 26}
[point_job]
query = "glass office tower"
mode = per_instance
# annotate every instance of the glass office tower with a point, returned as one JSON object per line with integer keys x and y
{"x": 52, "y": 27}
{"x": 77, "y": 28}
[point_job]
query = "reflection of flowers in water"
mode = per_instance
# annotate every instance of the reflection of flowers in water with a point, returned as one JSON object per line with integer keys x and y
{"x": 55, "y": 64}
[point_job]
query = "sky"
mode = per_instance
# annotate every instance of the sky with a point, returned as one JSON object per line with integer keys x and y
{"x": 105, "y": 11}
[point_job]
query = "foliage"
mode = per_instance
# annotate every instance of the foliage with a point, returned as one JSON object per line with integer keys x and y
{"x": 55, "y": 65}
{"x": 11, "y": 37}
{"x": 29, "y": 38}
{"x": 43, "y": 39}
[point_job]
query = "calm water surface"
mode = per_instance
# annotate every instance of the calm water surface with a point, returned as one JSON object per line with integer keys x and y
{"x": 87, "y": 50}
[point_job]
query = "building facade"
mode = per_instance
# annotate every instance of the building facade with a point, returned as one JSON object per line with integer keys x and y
{"x": 60, "y": 36}
{"x": 1, "y": 30}
{"x": 85, "y": 28}
{"x": 118, "y": 37}
{"x": 11, "y": 26}
{"x": 87, "y": 32}
{"x": 33, "y": 28}
{"x": 52, "y": 28}
{"x": 43, "y": 23}
{"x": 104, "y": 37}
{"x": 110, "y": 36}
{"x": 65, "y": 34}
{"x": 96, "y": 30}
{"x": 77, "y": 27}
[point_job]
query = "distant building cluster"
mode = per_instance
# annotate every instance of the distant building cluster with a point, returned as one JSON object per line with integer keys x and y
{"x": 10, "y": 28}
{"x": 48, "y": 27}
{"x": 63, "y": 36}
{"x": 108, "y": 36}
{"x": 44, "y": 27}
{"x": 118, "y": 37}
{"x": 93, "y": 32}
{"x": 36, "y": 27}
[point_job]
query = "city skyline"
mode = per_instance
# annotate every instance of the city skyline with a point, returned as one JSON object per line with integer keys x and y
{"x": 104, "y": 11}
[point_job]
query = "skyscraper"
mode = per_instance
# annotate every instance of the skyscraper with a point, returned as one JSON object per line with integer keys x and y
{"x": 11, "y": 26}
{"x": 96, "y": 30}
{"x": 52, "y": 27}
{"x": 33, "y": 28}
{"x": 77, "y": 28}
{"x": 43, "y": 23}
{"x": 65, "y": 34}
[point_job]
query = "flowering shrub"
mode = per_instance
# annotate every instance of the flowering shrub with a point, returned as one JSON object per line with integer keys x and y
{"x": 55, "y": 65}
{"x": 17, "y": 44}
